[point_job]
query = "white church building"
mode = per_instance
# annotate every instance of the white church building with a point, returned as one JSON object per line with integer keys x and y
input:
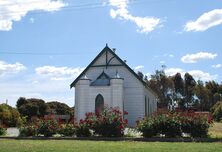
{"x": 109, "y": 81}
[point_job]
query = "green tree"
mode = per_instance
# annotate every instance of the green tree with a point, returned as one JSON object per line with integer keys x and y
{"x": 59, "y": 108}
{"x": 163, "y": 86}
{"x": 189, "y": 85}
{"x": 141, "y": 75}
{"x": 21, "y": 101}
{"x": 32, "y": 107}
{"x": 9, "y": 116}
{"x": 216, "y": 111}
{"x": 214, "y": 93}
{"x": 179, "y": 88}
{"x": 203, "y": 103}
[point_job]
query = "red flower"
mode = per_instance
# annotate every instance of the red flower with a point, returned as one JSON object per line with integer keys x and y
{"x": 121, "y": 127}
{"x": 126, "y": 113}
{"x": 126, "y": 121}
{"x": 81, "y": 121}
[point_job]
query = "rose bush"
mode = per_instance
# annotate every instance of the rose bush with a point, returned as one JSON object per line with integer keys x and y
{"x": 108, "y": 123}
{"x": 29, "y": 130}
{"x": 67, "y": 129}
{"x": 196, "y": 125}
{"x": 147, "y": 127}
{"x": 47, "y": 126}
{"x": 83, "y": 129}
{"x": 173, "y": 124}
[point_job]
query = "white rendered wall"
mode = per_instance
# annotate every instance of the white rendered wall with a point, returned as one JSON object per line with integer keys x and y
{"x": 130, "y": 95}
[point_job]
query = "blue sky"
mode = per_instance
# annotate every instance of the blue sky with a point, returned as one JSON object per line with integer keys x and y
{"x": 58, "y": 39}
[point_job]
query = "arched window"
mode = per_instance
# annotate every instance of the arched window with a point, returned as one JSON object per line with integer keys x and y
{"x": 99, "y": 103}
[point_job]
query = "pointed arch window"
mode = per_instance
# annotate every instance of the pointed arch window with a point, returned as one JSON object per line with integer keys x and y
{"x": 99, "y": 103}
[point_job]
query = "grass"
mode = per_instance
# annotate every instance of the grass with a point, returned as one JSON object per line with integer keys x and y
{"x": 105, "y": 146}
{"x": 96, "y": 146}
{"x": 216, "y": 130}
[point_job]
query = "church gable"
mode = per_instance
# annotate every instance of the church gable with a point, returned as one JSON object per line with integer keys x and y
{"x": 105, "y": 59}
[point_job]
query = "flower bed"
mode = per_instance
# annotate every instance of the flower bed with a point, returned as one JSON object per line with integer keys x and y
{"x": 108, "y": 123}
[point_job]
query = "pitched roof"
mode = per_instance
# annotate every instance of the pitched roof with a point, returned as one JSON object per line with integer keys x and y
{"x": 107, "y": 49}
{"x": 102, "y": 80}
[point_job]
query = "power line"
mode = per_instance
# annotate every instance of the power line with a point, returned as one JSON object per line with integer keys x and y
{"x": 33, "y": 2}
{"x": 70, "y": 7}
{"x": 84, "y": 6}
{"x": 48, "y": 54}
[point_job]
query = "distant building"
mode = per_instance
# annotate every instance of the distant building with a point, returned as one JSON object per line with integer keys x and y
{"x": 109, "y": 81}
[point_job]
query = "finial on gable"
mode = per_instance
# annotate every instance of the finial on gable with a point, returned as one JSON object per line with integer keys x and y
{"x": 117, "y": 74}
{"x": 106, "y": 44}
{"x": 85, "y": 77}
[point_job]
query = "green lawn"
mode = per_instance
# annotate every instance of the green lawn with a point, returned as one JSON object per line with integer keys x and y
{"x": 216, "y": 130}
{"x": 92, "y": 146}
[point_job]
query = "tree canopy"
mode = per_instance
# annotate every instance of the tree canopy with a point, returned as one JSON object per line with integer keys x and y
{"x": 9, "y": 116}
{"x": 59, "y": 108}
{"x": 39, "y": 108}
{"x": 185, "y": 91}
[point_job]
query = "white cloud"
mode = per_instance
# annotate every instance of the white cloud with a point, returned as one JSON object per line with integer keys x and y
{"x": 58, "y": 73}
{"x": 144, "y": 24}
{"x": 173, "y": 71}
{"x": 139, "y": 67}
{"x": 193, "y": 58}
{"x": 7, "y": 68}
{"x": 148, "y": 76}
{"x": 35, "y": 86}
{"x": 205, "y": 21}
{"x": 48, "y": 83}
{"x": 15, "y": 10}
{"x": 197, "y": 74}
{"x": 216, "y": 66}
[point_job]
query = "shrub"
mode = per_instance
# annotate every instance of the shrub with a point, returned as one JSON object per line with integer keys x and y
{"x": 83, "y": 129}
{"x": 27, "y": 131}
{"x": 108, "y": 123}
{"x": 199, "y": 126}
{"x": 67, "y": 129}
{"x": 216, "y": 111}
{"x": 196, "y": 125}
{"x": 168, "y": 124}
{"x": 2, "y": 131}
{"x": 47, "y": 126}
{"x": 147, "y": 127}
{"x": 174, "y": 124}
